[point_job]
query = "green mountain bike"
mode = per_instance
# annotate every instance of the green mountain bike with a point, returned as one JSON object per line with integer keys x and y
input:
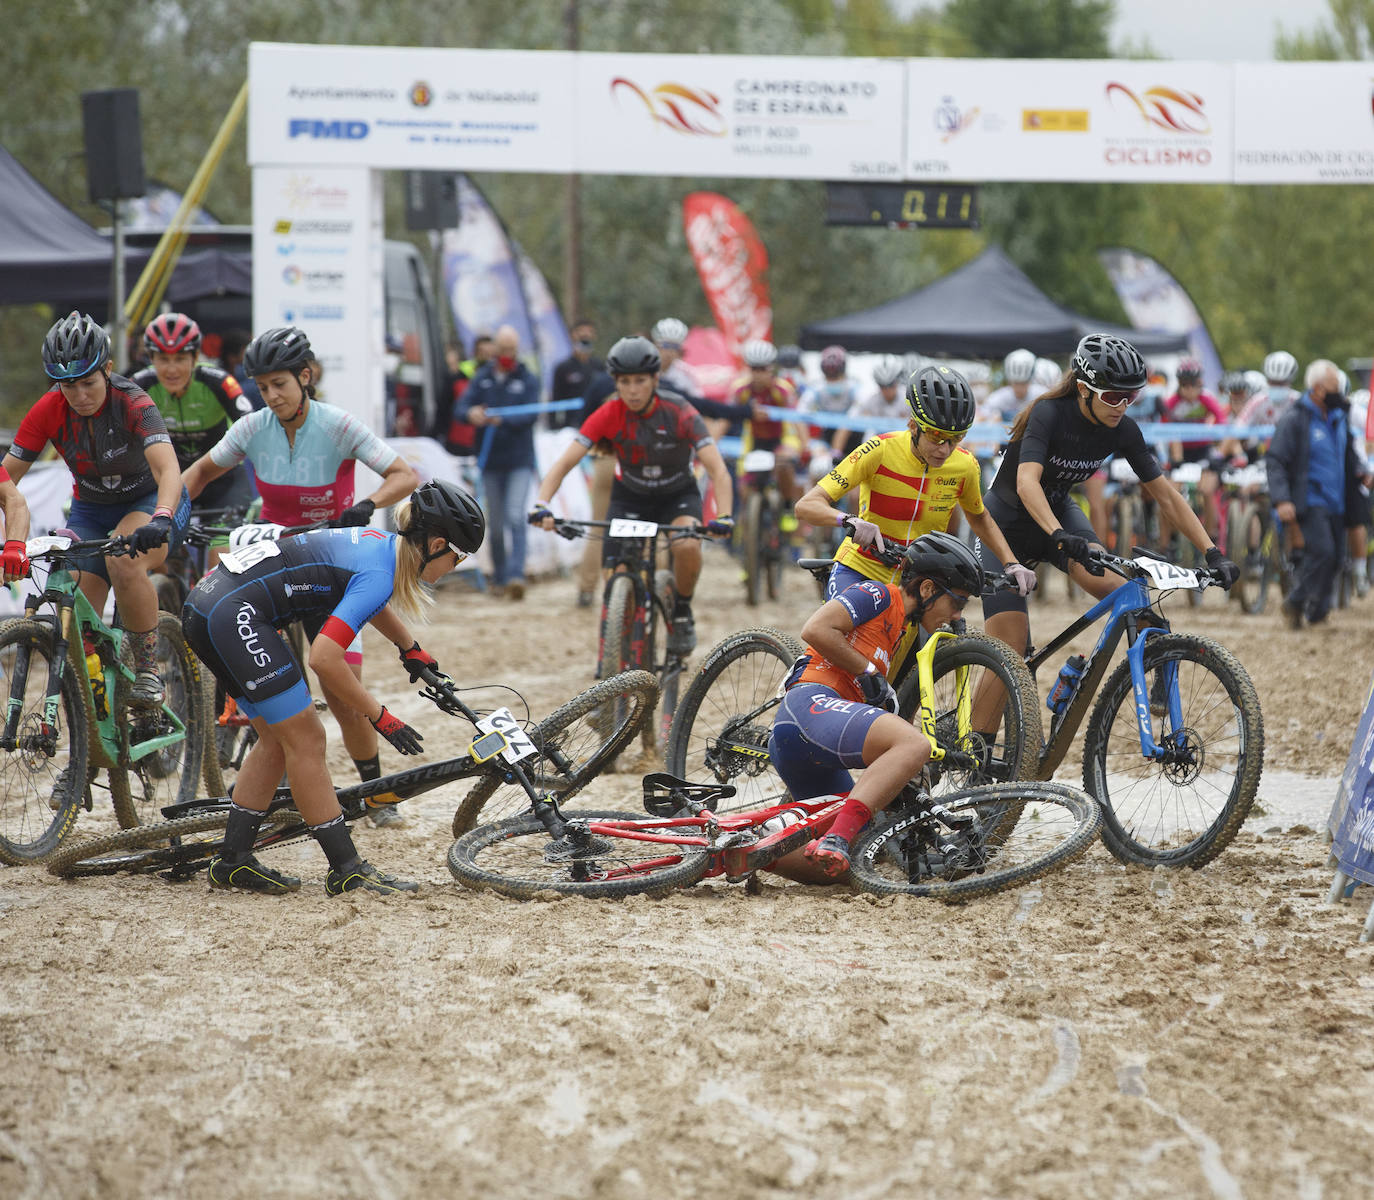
{"x": 66, "y": 677}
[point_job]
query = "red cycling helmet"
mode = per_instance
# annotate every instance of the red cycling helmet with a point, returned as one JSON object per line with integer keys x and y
{"x": 1189, "y": 370}
{"x": 171, "y": 333}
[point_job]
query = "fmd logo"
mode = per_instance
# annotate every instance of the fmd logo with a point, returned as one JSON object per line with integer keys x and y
{"x": 342, "y": 130}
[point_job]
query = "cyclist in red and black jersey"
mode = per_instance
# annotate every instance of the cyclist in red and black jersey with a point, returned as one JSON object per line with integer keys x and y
{"x": 654, "y": 437}
{"x": 114, "y": 441}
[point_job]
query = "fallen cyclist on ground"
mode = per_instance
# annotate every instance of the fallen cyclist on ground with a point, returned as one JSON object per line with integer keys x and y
{"x": 839, "y": 710}
{"x": 353, "y": 577}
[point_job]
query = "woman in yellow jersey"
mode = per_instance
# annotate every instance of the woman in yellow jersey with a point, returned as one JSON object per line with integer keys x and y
{"x": 909, "y": 483}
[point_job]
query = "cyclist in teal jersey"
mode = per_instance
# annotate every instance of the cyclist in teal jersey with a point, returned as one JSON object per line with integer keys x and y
{"x": 198, "y": 402}
{"x": 303, "y": 453}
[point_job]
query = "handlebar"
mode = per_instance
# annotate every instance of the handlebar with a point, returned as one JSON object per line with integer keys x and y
{"x": 570, "y": 529}
{"x": 442, "y": 692}
{"x": 112, "y": 547}
{"x": 1128, "y": 568}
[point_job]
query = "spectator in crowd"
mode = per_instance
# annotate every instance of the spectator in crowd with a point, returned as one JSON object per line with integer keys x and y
{"x": 458, "y": 436}
{"x": 1311, "y": 461}
{"x": 232, "y": 346}
{"x": 572, "y": 376}
{"x": 505, "y": 454}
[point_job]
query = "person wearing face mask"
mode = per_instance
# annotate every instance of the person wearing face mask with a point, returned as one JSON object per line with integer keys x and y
{"x": 1311, "y": 461}
{"x": 1060, "y": 440}
{"x": 505, "y": 453}
{"x": 572, "y": 376}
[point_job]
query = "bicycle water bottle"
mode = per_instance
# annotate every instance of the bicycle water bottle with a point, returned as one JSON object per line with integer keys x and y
{"x": 97, "y": 674}
{"x": 1062, "y": 692}
{"x": 788, "y": 816}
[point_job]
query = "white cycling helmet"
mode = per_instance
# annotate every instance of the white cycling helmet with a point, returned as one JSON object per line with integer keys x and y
{"x": 889, "y": 372}
{"x": 1018, "y": 366}
{"x": 1046, "y": 374}
{"x": 1255, "y": 382}
{"x": 671, "y": 332}
{"x": 758, "y": 353}
{"x": 1280, "y": 367}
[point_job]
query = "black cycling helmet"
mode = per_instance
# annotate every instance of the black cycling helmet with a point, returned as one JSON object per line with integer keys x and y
{"x": 940, "y": 399}
{"x": 945, "y": 559}
{"x": 440, "y": 509}
{"x": 634, "y": 356}
{"x": 74, "y": 347}
{"x": 789, "y": 357}
{"x": 1109, "y": 363}
{"x": 285, "y": 348}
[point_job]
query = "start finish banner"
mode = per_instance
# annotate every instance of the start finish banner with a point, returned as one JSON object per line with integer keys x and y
{"x": 1110, "y": 120}
{"x": 840, "y": 119}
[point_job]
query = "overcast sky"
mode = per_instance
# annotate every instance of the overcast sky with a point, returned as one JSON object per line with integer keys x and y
{"x": 1222, "y": 30}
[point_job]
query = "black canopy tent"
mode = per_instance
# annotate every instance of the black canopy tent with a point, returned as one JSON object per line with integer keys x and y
{"x": 984, "y": 309}
{"x": 50, "y": 255}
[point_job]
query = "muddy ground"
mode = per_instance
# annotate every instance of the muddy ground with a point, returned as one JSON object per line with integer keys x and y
{"x": 1104, "y": 1032}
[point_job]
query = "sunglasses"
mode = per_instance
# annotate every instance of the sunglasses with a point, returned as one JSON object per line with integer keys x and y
{"x": 1114, "y": 399}
{"x": 957, "y": 600}
{"x": 941, "y": 439}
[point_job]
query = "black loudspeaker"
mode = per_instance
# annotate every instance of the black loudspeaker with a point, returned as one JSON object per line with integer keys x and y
{"x": 114, "y": 144}
{"x": 431, "y": 200}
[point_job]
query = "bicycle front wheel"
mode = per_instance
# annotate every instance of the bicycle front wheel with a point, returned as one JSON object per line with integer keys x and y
{"x": 1183, "y": 809}
{"x": 1252, "y": 550}
{"x": 576, "y": 743}
{"x": 917, "y": 854}
{"x": 721, "y": 728}
{"x": 999, "y": 740}
{"x": 617, "y": 652}
{"x": 751, "y": 542}
{"x": 43, "y": 779}
{"x": 517, "y": 858}
{"x": 141, "y": 790}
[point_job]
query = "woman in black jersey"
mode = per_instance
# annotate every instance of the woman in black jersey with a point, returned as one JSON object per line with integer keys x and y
{"x": 1061, "y": 440}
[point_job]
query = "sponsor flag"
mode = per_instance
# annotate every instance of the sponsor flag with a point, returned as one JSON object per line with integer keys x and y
{"x": 490, "y": 282}
{"x": 733, "y": 266}
{"x": 1155, "y": 301}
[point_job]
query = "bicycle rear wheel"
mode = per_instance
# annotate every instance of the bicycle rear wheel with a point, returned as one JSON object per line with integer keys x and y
{"x": 184, "y": 845}
{"x": 1183, "y": 810}
{"x": 916, "y": 854}
{"x": 517, "y": 858}
{"x": 576, "y": 743}
{"x": 40, "y": 793}
{"x": 141, "y": 790}
{"x": 721, "y": 728}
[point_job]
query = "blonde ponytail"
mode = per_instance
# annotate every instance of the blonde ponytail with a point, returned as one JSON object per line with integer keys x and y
{"x": 409, "y": 595}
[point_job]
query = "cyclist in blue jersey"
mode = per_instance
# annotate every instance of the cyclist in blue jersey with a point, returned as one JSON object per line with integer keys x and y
{"x": 351, "y": 577}
{"x": 303, "y": 453}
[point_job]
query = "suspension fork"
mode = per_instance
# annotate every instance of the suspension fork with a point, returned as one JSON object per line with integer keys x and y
{"x": 19, "y": 679}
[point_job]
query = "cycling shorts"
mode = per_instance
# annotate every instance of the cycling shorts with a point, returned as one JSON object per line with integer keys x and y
{"x": 634, "y": 506}
{"x": 91, "y": 521}
{"x": 1029, "y": 543}
{"x": 246, "y": 654}
{"x": 816, "y": 736}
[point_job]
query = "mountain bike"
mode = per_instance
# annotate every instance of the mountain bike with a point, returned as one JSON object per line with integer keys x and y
{"x": 720, "y": 734}
{"x": 1256, "y": 542}
{"x": 955, "y": 848}
{"x": 762, "y": 544}
{"x": 66, "y": 677}
{"x": 1174, "y": 793}
{"x": 556, "y": 758}
{"x": 187, "y": 565}
{"x": 636, "y": 603}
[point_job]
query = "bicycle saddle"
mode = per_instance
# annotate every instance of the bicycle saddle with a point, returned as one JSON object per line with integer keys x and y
{"x": 666, "y": 795}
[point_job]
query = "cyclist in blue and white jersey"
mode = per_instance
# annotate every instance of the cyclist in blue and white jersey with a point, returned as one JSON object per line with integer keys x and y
{"x": 345, "y": 579}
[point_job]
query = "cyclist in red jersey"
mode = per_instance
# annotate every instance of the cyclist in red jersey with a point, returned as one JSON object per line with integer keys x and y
{"x": 654, "y": 438}
{"x": 114, "y": 441}
{"x": 785, "y": 439}
{"x": 839, "y": 710}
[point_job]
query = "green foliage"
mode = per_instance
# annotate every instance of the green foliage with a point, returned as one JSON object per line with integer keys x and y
{"x": 1350, "y": 35}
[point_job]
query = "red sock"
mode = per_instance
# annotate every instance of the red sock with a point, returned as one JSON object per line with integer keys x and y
{"x": 851, "y": 818}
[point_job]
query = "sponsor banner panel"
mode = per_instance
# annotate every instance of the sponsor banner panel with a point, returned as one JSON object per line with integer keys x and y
{"x": 1304, "y": 122}
{"x": 317, "y": 263}
{"x": 739, "y": 116}
{"x": 478, "y": 110}
{"x": 1069, "y": 120}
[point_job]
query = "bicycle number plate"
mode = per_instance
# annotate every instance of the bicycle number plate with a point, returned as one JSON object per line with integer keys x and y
{"x": 1168, "y": 577}
{"x": 517, "y": 742}
{"x": 41, "y": 545}
{"x": 249, "y": 556}
{"x": 248, "y": 535}
{"x": 623, "y": 528}
{"x": 758, "y": 461}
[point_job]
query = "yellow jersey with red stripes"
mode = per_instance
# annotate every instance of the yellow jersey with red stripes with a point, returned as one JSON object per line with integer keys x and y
{"x": 901, "y": 495}
{"x": 879, "y": 618}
